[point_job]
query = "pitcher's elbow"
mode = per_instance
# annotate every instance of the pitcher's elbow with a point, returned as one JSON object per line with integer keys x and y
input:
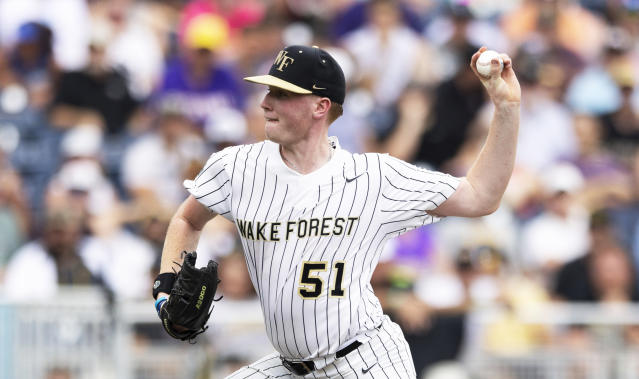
{"x": 490, "y": 207}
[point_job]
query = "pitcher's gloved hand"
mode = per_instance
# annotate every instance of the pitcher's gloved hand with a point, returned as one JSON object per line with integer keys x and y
{"x": 185, "y": 313}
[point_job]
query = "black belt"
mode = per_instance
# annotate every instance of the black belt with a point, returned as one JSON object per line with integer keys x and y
{"x": 306, "y": 367}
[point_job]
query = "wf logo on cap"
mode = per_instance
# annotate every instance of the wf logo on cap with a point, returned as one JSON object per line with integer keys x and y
{"x": 305, "y": 70}
{"x": 282, "y": 60}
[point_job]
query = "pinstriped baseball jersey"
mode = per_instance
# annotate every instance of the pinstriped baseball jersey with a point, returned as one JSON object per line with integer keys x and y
{"x": 311, "y": 242}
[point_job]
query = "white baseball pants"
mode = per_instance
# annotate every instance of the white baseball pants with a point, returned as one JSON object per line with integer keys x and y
{"x": 384, "y": 356}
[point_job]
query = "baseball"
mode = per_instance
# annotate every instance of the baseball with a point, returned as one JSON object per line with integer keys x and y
{"x": 483, "y": 62}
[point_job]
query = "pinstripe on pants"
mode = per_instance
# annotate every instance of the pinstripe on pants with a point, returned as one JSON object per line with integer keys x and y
{"x": 385, "y": 356}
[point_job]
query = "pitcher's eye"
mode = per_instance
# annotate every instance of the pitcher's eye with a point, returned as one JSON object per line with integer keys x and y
{"x": 279, "y": 94}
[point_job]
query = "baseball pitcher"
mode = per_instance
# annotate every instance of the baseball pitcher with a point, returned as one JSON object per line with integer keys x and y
{"x": 313, "y": 219}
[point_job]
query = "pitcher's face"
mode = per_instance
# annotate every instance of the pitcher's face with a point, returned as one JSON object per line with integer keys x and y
{"x": 288, "y": 115}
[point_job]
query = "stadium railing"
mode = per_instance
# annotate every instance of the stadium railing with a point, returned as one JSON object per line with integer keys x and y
{"x": 84, "y": 335}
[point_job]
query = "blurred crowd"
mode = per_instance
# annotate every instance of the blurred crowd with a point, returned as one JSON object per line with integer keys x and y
{"x": 107, "y": 106}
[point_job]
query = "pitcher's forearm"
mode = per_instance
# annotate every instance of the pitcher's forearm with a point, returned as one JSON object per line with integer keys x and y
{"x": 183, "y": 232}
{"x": 180, "y": 236}
{"x": 490, "y": 173}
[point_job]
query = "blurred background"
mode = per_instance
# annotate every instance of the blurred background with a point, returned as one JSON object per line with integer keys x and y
{"x": 107, "y": 106}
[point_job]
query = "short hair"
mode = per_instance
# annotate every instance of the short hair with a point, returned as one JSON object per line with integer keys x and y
{"x": 335, "y": 112}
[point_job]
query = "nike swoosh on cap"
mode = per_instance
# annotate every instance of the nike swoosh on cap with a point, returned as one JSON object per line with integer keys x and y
{"x": 316, "y": 87}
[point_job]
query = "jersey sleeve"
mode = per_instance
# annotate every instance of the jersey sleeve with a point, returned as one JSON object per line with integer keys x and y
{"x": 212, "y": 186}
{"x": 408, "y": 192}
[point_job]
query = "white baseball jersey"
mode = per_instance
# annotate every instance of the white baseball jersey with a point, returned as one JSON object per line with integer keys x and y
{"x": 311, "y": 242}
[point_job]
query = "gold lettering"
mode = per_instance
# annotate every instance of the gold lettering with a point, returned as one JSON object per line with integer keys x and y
{"x": 200, "y": 298}
{"x": 282, "y": 60}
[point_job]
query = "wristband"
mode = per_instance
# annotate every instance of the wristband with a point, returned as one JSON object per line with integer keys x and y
{"x": 163, "y": 283}
{"x": 158, "y": 304}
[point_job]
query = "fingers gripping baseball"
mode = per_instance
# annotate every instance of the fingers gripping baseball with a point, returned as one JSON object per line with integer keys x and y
{"x": 499, "y": 80}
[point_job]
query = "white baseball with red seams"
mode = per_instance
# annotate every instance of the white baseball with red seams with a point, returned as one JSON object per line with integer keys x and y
{"x": 484, "y": 62}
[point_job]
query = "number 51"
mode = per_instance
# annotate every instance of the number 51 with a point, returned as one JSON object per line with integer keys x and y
{"x": 311, "y": 285}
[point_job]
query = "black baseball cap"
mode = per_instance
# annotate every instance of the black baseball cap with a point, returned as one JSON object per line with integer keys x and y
{"x": 305, "y": 70}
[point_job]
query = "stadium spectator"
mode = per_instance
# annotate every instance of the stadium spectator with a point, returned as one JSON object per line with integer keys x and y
{"x": 621, "y": 126}
{"x": 38, "y": 267}
{"x": 121, "y": 260}
{"x": 608, "y": 179}
{"x": 7, "y": 76}
{"x": 541, "y": 116}
{"x": 67, "y": 19}
{"x": 457, "y": 102}
{"x": 80, "y": 181}
{"x": 613, "y": 276}
{"x": 196, "y": 83}
{"x": 353, "y": 128}
{"x": 32, "y": 60}
{"x": 132, "y": 43}
{"x": 563, "y": 24}
{"x": 386, "y": 51}
{"x": 32, "y": 54}
{"x": 594, "y": 90}
{"x": 97, "y": 94}
{"x": 605, "y": 273}
{"x": 234, "y": 274}
{"x": 238, "y": 14}
{"x": 237, "y": 346}
{"x": 15, "y": 217}
{"x": 439, "y": 123}
{"x": 493, "y": 288}
{"x": 155, "y": 165}
{"x": 560, "y": 232}
{"x": 414, "y": 118}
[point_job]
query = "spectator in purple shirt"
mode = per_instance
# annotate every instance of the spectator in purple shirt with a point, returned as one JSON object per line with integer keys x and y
{"x": 195, "y": 83}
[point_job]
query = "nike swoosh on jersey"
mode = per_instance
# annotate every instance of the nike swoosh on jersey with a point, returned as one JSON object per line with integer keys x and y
{"x": 366, "y": 370}
{"x": 348, "y": 180}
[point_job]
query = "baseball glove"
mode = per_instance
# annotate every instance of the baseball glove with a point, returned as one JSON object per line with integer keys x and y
{"x": 185, "y": 313}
